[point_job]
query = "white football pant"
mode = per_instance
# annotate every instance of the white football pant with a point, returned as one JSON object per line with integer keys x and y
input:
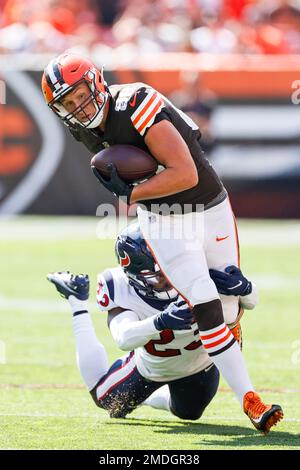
{"x": 187, "y": 246}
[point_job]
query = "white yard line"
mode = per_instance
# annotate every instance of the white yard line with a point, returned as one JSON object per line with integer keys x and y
{"x": 274, "y": 281}
{"x": 264, "y": 281}
{"x": 33, "y": 305}
{"x": 273, "y": 233}
{"x": 43, "y": 228}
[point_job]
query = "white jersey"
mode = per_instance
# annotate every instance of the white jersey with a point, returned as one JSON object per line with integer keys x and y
{"x": 169, "y": 356}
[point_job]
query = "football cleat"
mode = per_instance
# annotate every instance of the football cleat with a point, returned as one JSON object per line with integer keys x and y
{"x": 68, "y": 284}
{"x": 262, "y": 416}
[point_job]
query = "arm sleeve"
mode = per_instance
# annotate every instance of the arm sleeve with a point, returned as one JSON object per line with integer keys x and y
{"x": 250, "y": 301}
{"x": 129, "y": 332}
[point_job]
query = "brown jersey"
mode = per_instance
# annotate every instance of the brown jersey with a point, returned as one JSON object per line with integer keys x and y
{"x": 133, "y": 109}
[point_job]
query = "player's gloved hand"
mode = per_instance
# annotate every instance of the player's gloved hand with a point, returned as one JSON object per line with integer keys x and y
{"x": 177, "y": 316}
{"x": 115, "y": 184}
{"x": 231, "y": 282}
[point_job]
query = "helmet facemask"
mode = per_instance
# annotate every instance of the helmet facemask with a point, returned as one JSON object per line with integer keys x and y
{"x": 97, "y": 96}
{"x": 140, "y": 267}
{"x": 153, "y": 284}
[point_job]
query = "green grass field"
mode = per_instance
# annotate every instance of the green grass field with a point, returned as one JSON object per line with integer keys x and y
{"x": 43, "y": 402}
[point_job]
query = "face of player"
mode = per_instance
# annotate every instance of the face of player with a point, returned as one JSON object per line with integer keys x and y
{"x": 158, "y": 281}
{"x": 79, "y": 102}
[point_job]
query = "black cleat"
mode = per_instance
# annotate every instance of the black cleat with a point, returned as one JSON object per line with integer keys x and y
{"x": 68, "y": 284}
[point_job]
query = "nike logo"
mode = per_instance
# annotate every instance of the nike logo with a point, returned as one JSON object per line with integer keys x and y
{"x": 219, "y": 239}
{"x": 256, "y": 420}
{"x": 237, "y": 285}
{"x": 133, "y": 101}
{"x": 174, "y": 316}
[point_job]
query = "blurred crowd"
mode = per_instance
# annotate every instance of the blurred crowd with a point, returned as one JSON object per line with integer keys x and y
{"x": 131, "y": 27}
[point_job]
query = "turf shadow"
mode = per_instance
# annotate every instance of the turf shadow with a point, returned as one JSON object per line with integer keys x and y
{"x": 239, "y": 436}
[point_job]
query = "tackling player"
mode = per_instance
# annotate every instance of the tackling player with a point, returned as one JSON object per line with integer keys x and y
{"x": 168, "y": 367}
{"x": 100, "y": 116}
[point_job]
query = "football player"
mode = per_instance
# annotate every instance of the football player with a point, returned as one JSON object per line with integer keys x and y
{"x": 136, "y": 114}
{"x": 167, "y": 366}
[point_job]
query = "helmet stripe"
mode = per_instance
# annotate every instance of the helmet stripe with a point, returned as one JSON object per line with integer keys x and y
{"x": 50, "y": 72}
{"x": 57, "y": 73}
{"x": 49, "y": 80}
{"x": 53, "y": 72}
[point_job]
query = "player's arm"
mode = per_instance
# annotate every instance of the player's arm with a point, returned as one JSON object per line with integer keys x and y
{"x": 168, "y": 147}
{"x": 129, "y": 332}
{"x": 126, "y": 328}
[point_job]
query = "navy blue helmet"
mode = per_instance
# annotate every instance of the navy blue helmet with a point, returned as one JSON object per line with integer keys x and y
{"x": 140, "y": 266}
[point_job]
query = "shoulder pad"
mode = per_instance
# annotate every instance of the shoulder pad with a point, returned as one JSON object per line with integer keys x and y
{"x": 146, "y": 104}
{"x": 105, "y": 291}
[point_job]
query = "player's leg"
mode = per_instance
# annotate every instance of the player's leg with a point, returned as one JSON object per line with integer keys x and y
{"x": 177, "y": 242}
{"x": 90, "y": 353}
{"x": 188, "y": 397}
{"x": 159, "y": 399}
{"x": 222, "y": 249}
{"x": 182, "y": 259}
{"x": 191, "y": 395}
{"x": 118, "y": 389}
{"x": 221, "y": 246}
{"x": 122, "y": 389}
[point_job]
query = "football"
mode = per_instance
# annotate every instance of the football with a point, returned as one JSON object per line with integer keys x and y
{"x": 132, "y": 163}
